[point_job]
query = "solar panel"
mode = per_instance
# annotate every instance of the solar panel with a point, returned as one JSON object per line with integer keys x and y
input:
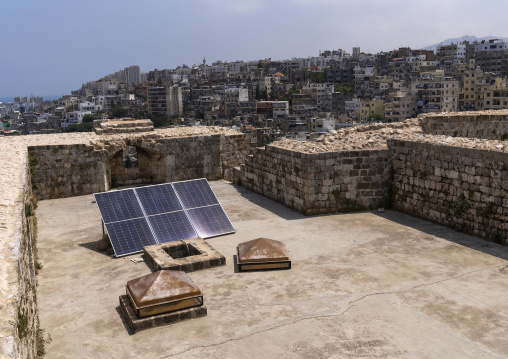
{"x": 173, "y": 226}
{"x": 128, "y": 237}
{"x": 195, "y": 193}
{"x": 210, "y": 221}
{"x": 139, "y": 217}
{"x": 158, "y": 199}
{"x": 118, "y": 205}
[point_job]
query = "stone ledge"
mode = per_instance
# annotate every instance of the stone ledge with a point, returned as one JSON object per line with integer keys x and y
{"x": 137, "y": 324}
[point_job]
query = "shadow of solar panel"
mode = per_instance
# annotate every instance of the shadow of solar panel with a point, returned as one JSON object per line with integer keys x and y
{"x": 170, "y": 227}
{"x": 130, "y": 236}
{"x": 210, "y": 221}
{"x": 158, "y": 199}
{"x": 118, "y": 205}
{"x": 195, "y": 193}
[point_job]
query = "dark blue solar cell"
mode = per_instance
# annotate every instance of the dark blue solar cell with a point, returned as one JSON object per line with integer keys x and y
{"x": 158, "y": 199}
{"x": 210, "y": 221}
{"x": 195, "y": 193}
{"x": 118, "y": 205}
{"x": 173, "y": 226}
{"x": 130, "y": 236}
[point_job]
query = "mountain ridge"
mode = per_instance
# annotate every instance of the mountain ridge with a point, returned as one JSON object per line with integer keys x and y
{"x": 470, "y": 38}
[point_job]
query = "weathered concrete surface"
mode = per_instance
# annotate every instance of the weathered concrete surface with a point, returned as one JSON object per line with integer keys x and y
{"x": 361, "y": 285}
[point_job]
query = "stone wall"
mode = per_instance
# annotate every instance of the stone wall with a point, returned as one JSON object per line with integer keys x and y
{"x": 490, "y": 125}
{"x": 66, "y": 170}
{"x": 29, "y": 335}
{"x": 73, "y": 170}
{"x": 315, "y": 183}
{"x": 462, "y": 188}
{"x": 19, "y": 325}
{"x": 66, "y": 165}
{"x": 233, "y": 151}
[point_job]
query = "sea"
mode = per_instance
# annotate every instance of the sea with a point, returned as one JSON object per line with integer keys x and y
{"x": 6, "y": 99}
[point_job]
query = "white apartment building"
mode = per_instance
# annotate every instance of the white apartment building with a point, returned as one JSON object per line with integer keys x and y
{"x": 280, "y": 109}
{"x": 74, "y": 117}
{"x": 88, "y": 106}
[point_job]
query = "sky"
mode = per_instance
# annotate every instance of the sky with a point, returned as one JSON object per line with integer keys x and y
{"x": 51, "y": 47}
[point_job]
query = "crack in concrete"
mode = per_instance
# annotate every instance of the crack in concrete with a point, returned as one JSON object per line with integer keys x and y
{"x": 350, "y": 305}
{"x": 424, "y": 284}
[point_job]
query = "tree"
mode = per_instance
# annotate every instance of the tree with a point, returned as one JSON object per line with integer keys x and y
{"x": 376, "y": 118}
{"x": 80, "y": 127}
{"x": 88, "y": 118}
{"x": 314, "y": 76}
{"x": 118, "y": 112}
{"x": 161, "y": 121}
{"x": 347, "y": 88}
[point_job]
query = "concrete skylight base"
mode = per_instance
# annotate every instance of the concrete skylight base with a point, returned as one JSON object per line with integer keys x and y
{"x": 188, "y": 256}
{"x": 137, "y": 324}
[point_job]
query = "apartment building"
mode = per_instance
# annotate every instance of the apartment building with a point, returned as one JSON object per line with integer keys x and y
{"x": 492, "y": 56}
{"x": 451, "y": 55}
{"x": 157, "y": 101}
{"x": 371, "y": 107}
{"x": 323, "y": 93}
{"x": 400, "y": 106}
{"x": 436, "y": 92}
{"x": 74, "y": 117}
{"x": 273, "y": 109}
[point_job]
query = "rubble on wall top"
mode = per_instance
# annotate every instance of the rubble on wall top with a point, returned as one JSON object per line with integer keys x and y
{"x": 375, "y": 136}
{"x": 463, "y": 113}
{"x": 90, "y": 137}
{"x": 462, "y": 142}
{"x": 368, "y": 137}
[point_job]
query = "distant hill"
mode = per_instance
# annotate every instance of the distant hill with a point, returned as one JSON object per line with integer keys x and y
{"x": 463, "y": 38}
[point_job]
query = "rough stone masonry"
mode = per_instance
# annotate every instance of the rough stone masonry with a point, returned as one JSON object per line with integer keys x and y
{"x": 421, "y": 166}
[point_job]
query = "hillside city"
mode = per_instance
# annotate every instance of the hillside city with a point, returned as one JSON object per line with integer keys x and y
{"x": 289, "y": 98}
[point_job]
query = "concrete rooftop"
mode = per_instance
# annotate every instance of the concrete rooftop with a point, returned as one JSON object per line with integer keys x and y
{"x": 370, "y": 285}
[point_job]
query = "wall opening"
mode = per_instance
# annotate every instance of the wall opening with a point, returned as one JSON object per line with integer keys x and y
{"x": 135, "y": 165}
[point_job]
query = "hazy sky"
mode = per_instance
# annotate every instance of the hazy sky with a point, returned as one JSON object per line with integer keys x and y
{"x": 50, "y": 47}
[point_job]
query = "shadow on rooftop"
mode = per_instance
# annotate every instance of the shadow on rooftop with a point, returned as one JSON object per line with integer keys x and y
{"x": 269, "y": 204}
{"x": 93, "y": 247}
{"x": 446, "y": 233}
{"x": 419, "y": 224}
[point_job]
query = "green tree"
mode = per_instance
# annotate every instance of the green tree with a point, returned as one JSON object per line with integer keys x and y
{"x": 318, "y": 77}
{"x": 119, "y": 112}
{"x": 161, "y": 121}
{"x": 347, "y": 88}
{"x": 88, "y": 118}
{"x": 80, "y": 127}
{"x": 376, "y": 118}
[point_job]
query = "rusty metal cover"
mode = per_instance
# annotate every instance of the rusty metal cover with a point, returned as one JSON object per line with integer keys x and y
{"x": 262, "y": 250}
{"x": 160, "y": 287}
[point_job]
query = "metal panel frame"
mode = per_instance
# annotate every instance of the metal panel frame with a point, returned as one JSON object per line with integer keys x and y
{"x": 147, "y": 216}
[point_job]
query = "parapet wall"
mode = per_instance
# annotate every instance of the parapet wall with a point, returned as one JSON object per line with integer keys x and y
{"x": 63, "y": 165}
{"x": 315, "y": 183}
{"x": 490, "y": 125}
{"x": 74, "y": 170}
{"x": 462, "y": 188}
{"x": 459, "y": 182}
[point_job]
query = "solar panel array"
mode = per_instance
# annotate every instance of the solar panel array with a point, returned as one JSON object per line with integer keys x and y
{"x": 143, "y": 216}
